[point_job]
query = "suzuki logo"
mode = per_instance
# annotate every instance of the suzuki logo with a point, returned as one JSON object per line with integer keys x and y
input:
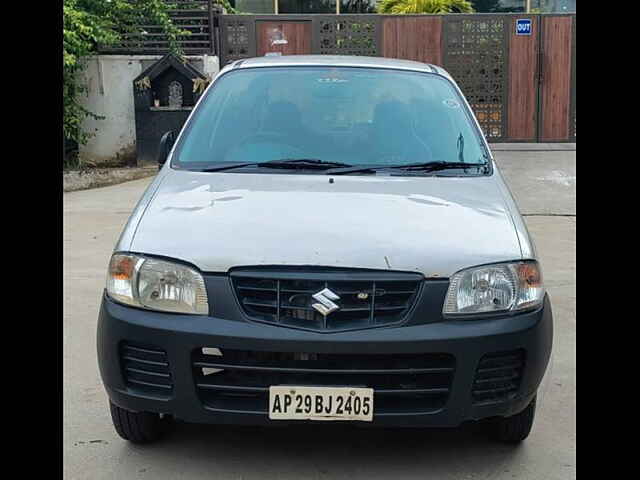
{"x": 325, "y": 305}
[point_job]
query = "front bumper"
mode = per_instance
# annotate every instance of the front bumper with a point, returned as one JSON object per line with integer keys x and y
{"x": 179, "y": 336}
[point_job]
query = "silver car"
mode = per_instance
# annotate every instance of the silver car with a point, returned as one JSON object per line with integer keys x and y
{"x": 328, "y": 239}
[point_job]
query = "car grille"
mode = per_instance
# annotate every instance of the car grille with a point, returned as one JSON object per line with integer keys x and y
{"x": 498, "y": 377}
{"x": 366, "y": 299}
{"x": 238, "y": 380}
{"x": 146, "y": 369}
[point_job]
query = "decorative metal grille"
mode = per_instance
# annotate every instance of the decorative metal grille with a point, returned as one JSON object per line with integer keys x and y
{"x": 148, "y": 38}
{"x": 347, "y": 35}
{"x": 476, "y": 55}
{"x": 238, "y": 39}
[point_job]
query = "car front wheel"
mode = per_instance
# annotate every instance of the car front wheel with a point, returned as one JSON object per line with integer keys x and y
{"x": 137, "y": 427}
{"x": 516, "y": 428}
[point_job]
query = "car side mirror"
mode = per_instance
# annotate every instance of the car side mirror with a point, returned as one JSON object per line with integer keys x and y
{"x": 166, "y": 143}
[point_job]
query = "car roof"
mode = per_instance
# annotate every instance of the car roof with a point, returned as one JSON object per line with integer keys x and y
{"x": 336, "y": 61}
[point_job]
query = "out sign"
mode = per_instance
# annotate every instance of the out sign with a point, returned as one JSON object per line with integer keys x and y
{"x": 523, "y": 26}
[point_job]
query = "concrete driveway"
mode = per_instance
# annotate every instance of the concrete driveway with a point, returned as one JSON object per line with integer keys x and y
{"x": 543, "y": 182}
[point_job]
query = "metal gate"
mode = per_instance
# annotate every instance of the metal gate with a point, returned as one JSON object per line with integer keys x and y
{"x": 521, "y": 87}
{"x": 328, "y": 34}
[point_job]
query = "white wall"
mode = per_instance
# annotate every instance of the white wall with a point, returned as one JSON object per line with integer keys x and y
{"x": 109, "y": 82}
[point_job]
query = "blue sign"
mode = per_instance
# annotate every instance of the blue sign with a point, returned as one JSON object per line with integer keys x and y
{"x": 523, "y": 26}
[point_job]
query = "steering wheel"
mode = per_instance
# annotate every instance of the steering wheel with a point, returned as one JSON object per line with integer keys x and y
{"x": 275, "y": 137}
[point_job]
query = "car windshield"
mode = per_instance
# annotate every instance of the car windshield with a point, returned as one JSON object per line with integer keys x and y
{"x": 348, "y": 116}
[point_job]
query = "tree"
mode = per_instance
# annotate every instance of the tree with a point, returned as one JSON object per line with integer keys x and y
{"x": 495, "y": 6}
{"x": 357, "y": 6}
{"x": 89, "y": 23}
{"x": 425, "y": 6}
{"x": 486, "y": 6}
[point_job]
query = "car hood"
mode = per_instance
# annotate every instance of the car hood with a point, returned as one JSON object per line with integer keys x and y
{"x": 432, "y": 225}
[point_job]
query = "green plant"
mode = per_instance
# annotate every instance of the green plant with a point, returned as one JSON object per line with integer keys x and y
{"x": 89, "y": 23}
{"x": 227, "y": 6}
{"x": 486, "y": 6}
{"x": 425, "y": 6}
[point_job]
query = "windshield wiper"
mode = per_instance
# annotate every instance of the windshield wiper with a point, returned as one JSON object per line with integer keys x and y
{"x": 422, "y": 166}
{"x": 218, "y": 168}
{"x": 295, "y": 163}
{"x": 303, "y": 163}
{"x": 433, "y": 166}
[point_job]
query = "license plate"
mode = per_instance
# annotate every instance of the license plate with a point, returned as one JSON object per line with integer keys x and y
{"x": 320, "y": 403}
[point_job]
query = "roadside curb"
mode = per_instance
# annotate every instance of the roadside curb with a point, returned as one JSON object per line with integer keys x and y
{"x": 102, "y": 177}
{"x": 532, "y": 147}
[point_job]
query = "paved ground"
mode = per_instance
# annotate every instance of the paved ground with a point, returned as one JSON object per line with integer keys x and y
{"x": 544, "y": 185}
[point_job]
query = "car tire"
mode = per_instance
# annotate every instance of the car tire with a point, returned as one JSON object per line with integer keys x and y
{"x": 136, "y": 427}
{"x": 516, "y": 428}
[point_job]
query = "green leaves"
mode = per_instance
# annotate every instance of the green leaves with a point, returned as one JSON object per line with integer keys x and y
{"x": 89, "y": 23}
{"x": 425, "y": 6}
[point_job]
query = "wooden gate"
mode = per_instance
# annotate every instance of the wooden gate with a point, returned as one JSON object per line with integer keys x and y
{"x": 557, "y": 103}
{"x": 284, "y": 38}
{"x": 522, "y": 99}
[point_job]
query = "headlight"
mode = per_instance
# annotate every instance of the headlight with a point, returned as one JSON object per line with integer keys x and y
{"x": 495, "y": 288}
{"x": 156, "y": 284}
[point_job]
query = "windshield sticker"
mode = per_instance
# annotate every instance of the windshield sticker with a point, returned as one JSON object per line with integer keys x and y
{"x": 451, "y": 103}
{"x": 333, "y": 76}
{"x": 332, "y": 80}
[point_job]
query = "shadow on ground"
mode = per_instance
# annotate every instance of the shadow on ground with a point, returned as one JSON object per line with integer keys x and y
{"x": 337, "y": 451}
